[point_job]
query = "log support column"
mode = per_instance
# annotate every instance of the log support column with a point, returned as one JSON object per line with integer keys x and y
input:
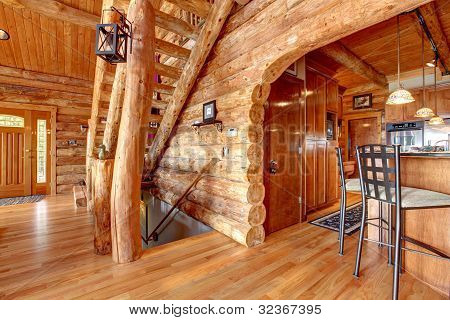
{"x": 126, "y": 190}
{"x": 102, "y": 205}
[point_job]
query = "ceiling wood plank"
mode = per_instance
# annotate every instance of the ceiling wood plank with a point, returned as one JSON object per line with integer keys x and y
{"x": 338, "y": 52}
{"x": 199, "y": 7}
{"x": 55, "y": 9}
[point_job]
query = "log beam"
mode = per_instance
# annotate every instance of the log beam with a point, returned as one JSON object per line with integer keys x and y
{"x": 210, "y": 31}
{"x": 172, "y": 50}
{"x": 126, "y": 190}
{"x": 428, "y": 12}
{"x": 199, "y": 7}
{"x": 338, "y": 52}
{"x": 115, "y": 110}
{"x": 175, "y": 25}
{"x": 168, "y": 71}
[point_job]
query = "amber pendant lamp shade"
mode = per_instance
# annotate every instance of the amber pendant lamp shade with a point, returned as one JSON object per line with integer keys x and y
{"x": 424, "y": 111}
{"x": 399, "y": 96}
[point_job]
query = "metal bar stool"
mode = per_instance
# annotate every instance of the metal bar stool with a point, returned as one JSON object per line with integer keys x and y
{"x": 350, "y": 185}
{"x": 379, "y": 171}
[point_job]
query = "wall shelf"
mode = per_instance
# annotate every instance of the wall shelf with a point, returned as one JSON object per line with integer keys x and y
{"x": 217, "y": 123}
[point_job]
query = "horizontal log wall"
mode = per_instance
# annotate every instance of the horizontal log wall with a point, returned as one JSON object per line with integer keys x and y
{"x": 72, "y": 97}
{"x": 256, "y": 45}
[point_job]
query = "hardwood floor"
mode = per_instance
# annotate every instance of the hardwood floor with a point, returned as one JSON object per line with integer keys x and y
{"x": 46, "y": 252}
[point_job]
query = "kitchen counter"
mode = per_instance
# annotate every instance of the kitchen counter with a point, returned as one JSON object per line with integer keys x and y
{"x": 445, "y": 154}
{"x": 431, "y": 226}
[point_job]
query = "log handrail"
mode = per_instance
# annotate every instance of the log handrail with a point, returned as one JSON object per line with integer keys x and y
{"x": 154, "y": 234}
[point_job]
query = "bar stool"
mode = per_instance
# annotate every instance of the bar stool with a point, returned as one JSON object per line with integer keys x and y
{"x": 379, "y": 172}
{"x": 350, "y": 185}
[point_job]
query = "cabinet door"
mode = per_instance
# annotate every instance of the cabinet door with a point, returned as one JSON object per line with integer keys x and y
{"x": 332, "y": 173}
{"x": 310, "y": 104}
{"x": 310, "y": 175}
{"x": 443, "y": 102}
{"x": 321, "y": 172}
{"x": 321, "y": 107}
{"x": 332, "y": 96}
{"x": 394, "y": 113}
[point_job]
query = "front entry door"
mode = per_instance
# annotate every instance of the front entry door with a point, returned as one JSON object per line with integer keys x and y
{"x": 24, "y": 152}
{"x": 282, "y": 159}
{"x": 15, "y": 153}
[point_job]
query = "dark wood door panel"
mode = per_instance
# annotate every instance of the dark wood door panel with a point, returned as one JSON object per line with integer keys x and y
{"x": 282, "y": 163}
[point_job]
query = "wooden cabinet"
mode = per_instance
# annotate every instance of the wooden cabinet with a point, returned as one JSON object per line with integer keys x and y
{"x": 320, "y": 158}
{"x": 316, "y": 105}
{"x": 332, "y": 172}
{"x": 332, "y": 96}
{"x": 321, "y": 173}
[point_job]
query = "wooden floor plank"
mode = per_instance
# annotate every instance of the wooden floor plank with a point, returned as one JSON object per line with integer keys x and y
{"x": 46, "y": 252}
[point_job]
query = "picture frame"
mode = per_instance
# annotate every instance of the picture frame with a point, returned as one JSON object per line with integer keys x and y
{"x": 209, "y": 112}
{"x": 292, "y": 69}
{"x": 363, "y": 101}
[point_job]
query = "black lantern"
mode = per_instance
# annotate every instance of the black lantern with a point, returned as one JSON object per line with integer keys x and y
{"x": 112, "y": 40}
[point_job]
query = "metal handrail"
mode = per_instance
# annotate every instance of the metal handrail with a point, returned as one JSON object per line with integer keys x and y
{"x": 154, "y": 234}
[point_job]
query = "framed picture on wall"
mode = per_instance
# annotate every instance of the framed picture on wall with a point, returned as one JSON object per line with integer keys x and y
{"x": 292, "y": 69}
{"x": 363, "y": 101}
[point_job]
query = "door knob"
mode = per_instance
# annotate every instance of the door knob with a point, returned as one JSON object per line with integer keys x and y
{"x": 273, "y": 167}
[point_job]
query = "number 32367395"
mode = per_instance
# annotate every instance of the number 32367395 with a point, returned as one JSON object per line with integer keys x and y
{"x": 290, "y": 309}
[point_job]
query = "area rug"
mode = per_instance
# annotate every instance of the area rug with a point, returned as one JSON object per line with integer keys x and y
{"x": 352, "y": 220}
{"x": 21, "y": 200}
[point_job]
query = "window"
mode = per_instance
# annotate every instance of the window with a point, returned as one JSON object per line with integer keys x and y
{"x": 11, "y": 121}
{"x": 41, "y": 151}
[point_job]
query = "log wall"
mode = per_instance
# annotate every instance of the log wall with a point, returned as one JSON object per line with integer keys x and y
{"x": 256, "y": 45}
{"x": 72, "y": 97}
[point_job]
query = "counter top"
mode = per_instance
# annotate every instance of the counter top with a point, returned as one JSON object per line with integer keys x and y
{"x": 426, "y": 154}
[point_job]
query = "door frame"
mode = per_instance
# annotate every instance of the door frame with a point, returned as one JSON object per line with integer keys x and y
{"x": 52, "y": 110}
{"x": 378, "y": 114}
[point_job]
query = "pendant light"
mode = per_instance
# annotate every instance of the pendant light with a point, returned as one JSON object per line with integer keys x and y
{"x": 436, "y": 120}
{"x": 4, "y": 35}
{"x": 424, "y": 112}
{"x": 399, "y": 96}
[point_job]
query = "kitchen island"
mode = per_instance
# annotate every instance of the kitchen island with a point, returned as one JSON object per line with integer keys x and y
{"x": 429, "y": 171}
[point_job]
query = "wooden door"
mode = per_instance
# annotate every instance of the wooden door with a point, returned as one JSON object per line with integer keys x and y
{"x": 361, "y": 132}
{"x": 282, "y": 160}
{"x": 15, "y": 148}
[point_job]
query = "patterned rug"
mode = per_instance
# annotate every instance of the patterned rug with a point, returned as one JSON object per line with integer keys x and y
{"x": 21, "y": 200}
{"x": 352, "y": 220}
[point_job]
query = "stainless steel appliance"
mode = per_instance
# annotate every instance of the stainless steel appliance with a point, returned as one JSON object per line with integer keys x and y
{"x": 408, "y": 134}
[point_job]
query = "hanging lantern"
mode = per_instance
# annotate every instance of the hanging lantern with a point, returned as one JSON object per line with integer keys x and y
{"x": 112, "y": 40}
{"x": 424, "y": 112}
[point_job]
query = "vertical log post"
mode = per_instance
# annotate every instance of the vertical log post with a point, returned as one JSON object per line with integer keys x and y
{"x": 99, "y": 84}
{"x": 114, "y": 111}
{"x": 102, "y": 205}
{"x": 126, "y": 191}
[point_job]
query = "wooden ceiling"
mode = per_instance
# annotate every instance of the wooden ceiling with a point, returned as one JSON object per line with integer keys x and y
{"x": 377, "y": 46}
{"x": 39, "y": 43}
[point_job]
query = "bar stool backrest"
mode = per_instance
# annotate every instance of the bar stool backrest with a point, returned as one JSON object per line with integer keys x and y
{"x": 340, "y": 167}
{"x": 379, "y": 172}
